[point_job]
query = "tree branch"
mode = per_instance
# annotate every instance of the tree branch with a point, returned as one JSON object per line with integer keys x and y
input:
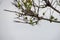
{"x": 49, "y": 5}
{"x": 55, "y": 9}
{"x": 51, "y": 20}
{"x": 39, "y": 18}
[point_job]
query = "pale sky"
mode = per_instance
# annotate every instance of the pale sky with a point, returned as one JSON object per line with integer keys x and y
{"x": 10, "y": 30}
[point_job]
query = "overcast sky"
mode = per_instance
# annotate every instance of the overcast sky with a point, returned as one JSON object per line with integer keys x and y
{"x": 10, "y": 30}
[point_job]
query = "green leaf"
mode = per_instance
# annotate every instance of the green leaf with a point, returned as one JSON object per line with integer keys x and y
{"x": 51, "y": 17}
{"x": 55, "y": 19}
{"x": 31, "y": 22}
{"x": 25, "y": 18}
{"x": 25, "y": 4}
{"x": 36, "y": 22}
{"x": 18, "y": 4}
{"x": 28, "y": 4}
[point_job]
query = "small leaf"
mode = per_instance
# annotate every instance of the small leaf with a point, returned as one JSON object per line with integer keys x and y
{"x": 36, "y": 22}
{"x": 28, "y": 4}
{"x": 50, "y": 21}
{"x": 55, "y": 19}
{"x": 43, "y": 13}
{"x": 51, "y": 17}
{"x": 18, "y": 4}
{"x": 25, "y": 18}
{"x": 25, "y": 4}
{"x": 31, "y": 22}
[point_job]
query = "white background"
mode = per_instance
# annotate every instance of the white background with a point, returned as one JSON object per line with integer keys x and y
{"x": 10, "y": 30}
